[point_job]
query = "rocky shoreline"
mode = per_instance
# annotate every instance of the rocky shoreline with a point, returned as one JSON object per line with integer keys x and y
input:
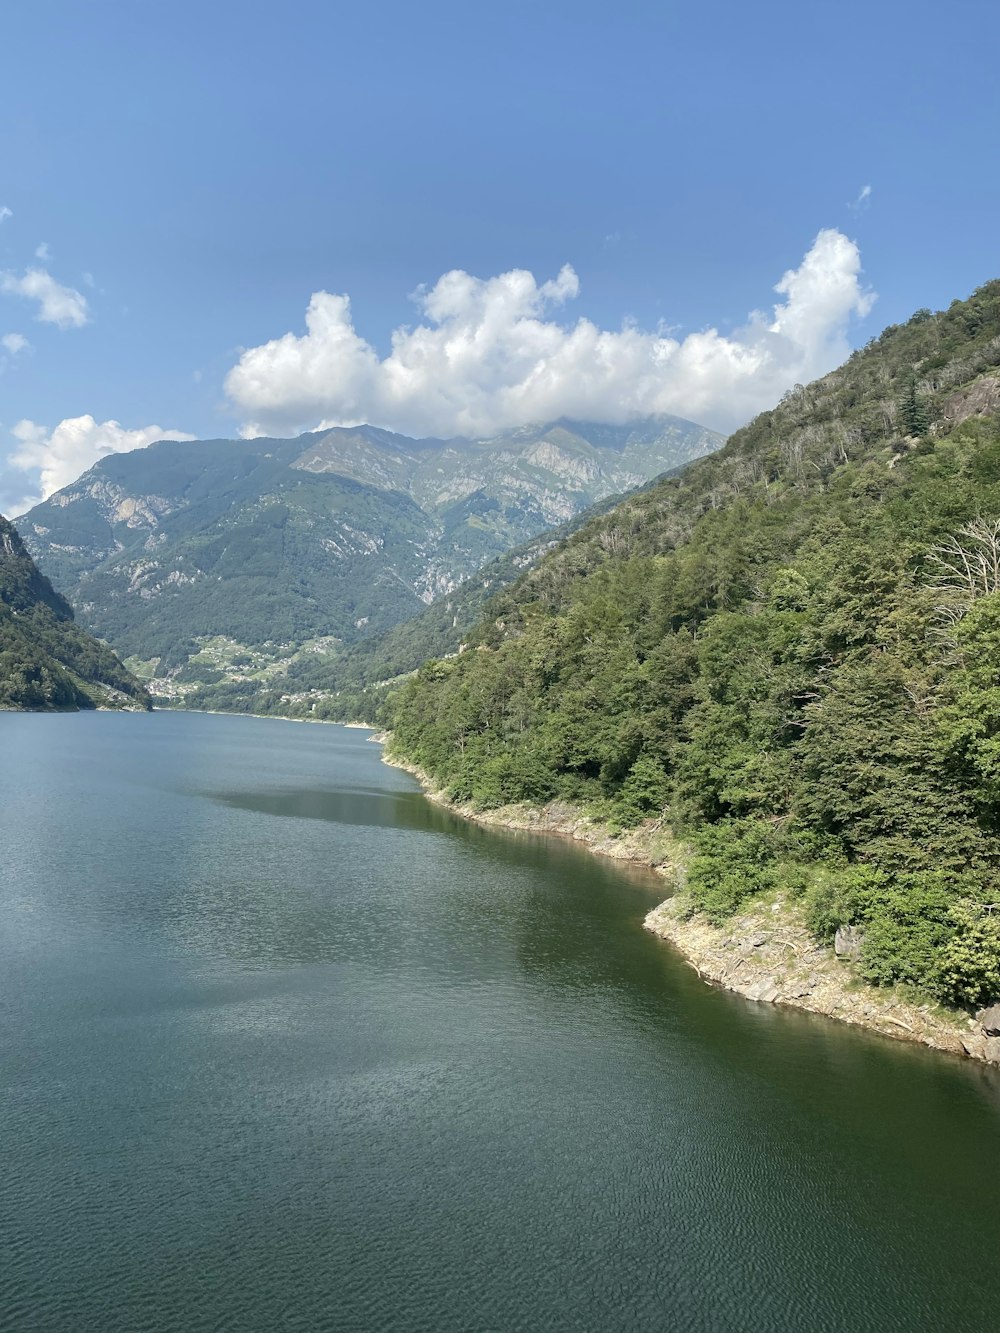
{"x": 765, "y": 953}
{"x": 768, "y": 955}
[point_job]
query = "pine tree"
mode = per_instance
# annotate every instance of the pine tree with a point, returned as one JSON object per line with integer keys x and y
{"x": 915, "y": 417}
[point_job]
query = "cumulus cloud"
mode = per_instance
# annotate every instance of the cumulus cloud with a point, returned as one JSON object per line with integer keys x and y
{"x": 490, "y": 353}
{"x": 59, "y": 305}
{"x": 62, "y": 454}
{"x": 5, "y": 213}
{"x": 43, "y": 252}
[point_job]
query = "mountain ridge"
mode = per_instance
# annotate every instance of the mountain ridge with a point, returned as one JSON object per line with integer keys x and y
{"x": 338, "y": 534}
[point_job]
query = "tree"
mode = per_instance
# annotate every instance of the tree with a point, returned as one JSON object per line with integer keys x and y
{"x": 914, "y": 413}
{"x": 970, "y": 961}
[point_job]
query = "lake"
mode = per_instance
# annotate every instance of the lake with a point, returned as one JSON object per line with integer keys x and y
{"x": 283, "y": 1046}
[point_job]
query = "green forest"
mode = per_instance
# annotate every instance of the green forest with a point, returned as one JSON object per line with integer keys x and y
{"x": 47, "y": 661}
{"x": 352, "y": 682}
{"x": 789, "y": 654}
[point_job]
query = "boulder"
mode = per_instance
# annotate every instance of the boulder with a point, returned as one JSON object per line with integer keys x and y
{"x": 847, "y": 941}
{"x": 797, "y": 990}
{"x": 974, "y": 1047}
{"x": 989, "y": 1020}
{"x": 765, "y": 991}
{"x": 750, "y": 942}
{"x": 993, "y": 1050}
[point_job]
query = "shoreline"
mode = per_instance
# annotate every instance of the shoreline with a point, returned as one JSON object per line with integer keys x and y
{"x": 764, "y": 953}
{"x": 267, "y": 717}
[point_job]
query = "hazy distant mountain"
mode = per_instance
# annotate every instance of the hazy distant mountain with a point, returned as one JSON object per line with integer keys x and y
{"x": 247, "y": 549}
{"x": 46, "y": 661}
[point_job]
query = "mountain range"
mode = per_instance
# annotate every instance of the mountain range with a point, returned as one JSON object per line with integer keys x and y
{"x": 226, "y": 559}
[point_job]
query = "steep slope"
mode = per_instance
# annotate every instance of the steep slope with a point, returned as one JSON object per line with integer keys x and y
{"x": 236, "y": 553}
{"x": 331, "y": 682}
{"x": 46, "y": 661}
{"x": 790, "y": 654}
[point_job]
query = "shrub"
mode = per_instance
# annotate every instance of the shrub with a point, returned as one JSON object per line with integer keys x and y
{"x": 839, "y": 897}
{"x": 970, "y": 960}
{"x": 645, "y": 790}
{"x": 511, "y": 776}
{"x": 734, "y": 860}
{"x": 906, "y": 924}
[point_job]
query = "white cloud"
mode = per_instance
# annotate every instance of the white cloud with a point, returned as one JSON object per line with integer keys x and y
{"x": 62, "y": 454}
{"x": 5, "y": 213}
{"x": 861, "y": 203}
{"x": 43, "y": 252}
{"x": 11, "y": 345}
{"x": 63, "y": 306}
{"x": 489, "y": 354}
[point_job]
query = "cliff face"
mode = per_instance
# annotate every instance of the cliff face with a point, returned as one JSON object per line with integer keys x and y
{"x": 46, "y": 661}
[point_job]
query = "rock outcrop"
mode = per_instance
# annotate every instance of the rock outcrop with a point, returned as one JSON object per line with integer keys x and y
{"x": 767, "y": 954}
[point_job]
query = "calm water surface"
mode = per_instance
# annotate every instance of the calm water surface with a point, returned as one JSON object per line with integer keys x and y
{"x": 283, "y": 1046}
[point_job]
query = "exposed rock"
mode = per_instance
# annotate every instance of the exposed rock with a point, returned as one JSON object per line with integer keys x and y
{"x": 982, "y": 1048}
{"x": 796, "y": 991}
{"x": 764, "y": 990}
{"x": 989, "y": 1020}
{"x": 751, "y": 942}
{"x": 847, "y": 942}
{"x": 980, "y": 398}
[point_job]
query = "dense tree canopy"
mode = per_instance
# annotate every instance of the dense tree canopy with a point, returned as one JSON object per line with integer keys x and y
{"x": 47, "y": 661}
{"x": 791, "y": 651}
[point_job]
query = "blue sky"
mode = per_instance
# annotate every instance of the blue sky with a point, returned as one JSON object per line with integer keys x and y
{"x": 198, "y": 172}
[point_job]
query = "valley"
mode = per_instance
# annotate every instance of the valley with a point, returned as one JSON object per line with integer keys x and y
{"x": 233, "y": 562}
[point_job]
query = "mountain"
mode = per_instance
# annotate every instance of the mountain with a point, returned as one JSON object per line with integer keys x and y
{"x": 788, "y": 655}
{"x": 350, "y": 683}
{"x": 240, "y": 554}
{"x": 46, "y": 661}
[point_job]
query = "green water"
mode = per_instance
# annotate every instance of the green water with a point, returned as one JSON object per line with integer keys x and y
{"x": 283, "y": 1046}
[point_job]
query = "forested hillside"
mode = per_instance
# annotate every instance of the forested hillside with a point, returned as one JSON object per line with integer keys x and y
{"x": 790, "y": 652}
{"x": 46, "y": 661}
{"x": 349, "y": 683}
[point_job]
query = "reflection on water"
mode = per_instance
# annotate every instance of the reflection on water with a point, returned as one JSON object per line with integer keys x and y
{"x": 369, "y": 807}
{"x": 283, "y": 1045}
